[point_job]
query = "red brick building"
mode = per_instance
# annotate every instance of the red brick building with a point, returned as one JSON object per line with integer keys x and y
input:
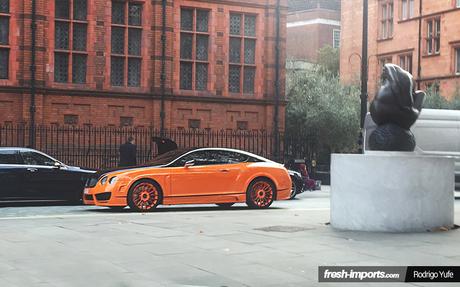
{"x": 102, "y": 63}
{"x": 397, "y": 28}
{"x": 311, "y": 25}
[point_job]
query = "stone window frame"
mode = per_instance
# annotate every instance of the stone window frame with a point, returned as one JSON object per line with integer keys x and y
{"x": 407, "y": 9}
{"x": 193, "y": 60}
{"x": 71, "y": 119}
{"x": 382, "y": 60}
{"x": 456, "y": 59}
{"x": 126, "y": 56}
{"x": 242, "y": 65}
{"x": 405, "y": 61}
{"x": 386, "y": 19}
{"x": 6, "y": 47}
{"x": 335, "y": 40}
{"x": 70, "y": 52}
{"x": 433, "y": 36}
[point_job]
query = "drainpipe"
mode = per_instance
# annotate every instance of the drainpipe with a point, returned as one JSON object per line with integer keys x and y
{"x": 33, "y": 27}
{"x": 163, "y": 67}
{"x": 277, "y": 78}
{"x": 364, "y": 68}
{"x": 419, "y": 60}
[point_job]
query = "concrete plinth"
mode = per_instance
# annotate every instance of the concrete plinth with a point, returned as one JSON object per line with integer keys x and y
{"x": 391, "y": 192}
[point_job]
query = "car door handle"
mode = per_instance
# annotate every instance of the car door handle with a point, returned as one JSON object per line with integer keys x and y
{"x": 32, "y": 169}
{"x": 224, "y": 170}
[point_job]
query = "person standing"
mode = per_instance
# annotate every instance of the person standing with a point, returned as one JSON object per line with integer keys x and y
{"x": 128, "y": 152}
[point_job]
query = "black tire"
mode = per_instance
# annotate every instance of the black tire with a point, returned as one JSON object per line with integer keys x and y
{"x": 260, "y": 193}
{"x": 225, "y": 205}
{"x": 294, "y": 190}
{"x": 144, "y": 195}
{"x": 117, "y": 208}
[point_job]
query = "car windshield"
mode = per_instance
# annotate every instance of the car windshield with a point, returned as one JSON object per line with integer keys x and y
{"x": 168, "y": 157}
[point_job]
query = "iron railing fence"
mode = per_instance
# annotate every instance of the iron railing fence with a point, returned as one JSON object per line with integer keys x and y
{"x": 97, "y": 147}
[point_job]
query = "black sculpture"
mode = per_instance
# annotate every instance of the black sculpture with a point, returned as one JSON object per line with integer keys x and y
{"x": 395, "y": 109}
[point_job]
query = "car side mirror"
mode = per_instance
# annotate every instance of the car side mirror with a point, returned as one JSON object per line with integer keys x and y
{"x": 57, "y": 165}
{"x": 189, "y": 163}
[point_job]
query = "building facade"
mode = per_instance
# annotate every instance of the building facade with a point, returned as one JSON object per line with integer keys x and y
{"x": 311, "y": 25}
{"x": 421, "y": 36}
{"x": 202, "y": 64}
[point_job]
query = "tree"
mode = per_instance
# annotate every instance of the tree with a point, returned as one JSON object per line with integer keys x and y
{"x": 329, "y": 59}
{"x": 319, "y": 105}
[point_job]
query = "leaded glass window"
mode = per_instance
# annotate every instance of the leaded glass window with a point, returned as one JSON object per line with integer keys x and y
{"x": 249, "y": 75}
{"x": 61, "y": 66}
{"x": 4, "y": 61}
{"x": 186, "y": 44}
{"x": 234, "y": 79}
{"x": 4, "y": 6}
{"x": 118, "y": 40}
{"x": 4, "y": 30}
{"x": 134, "y": 41}
{"x": 79, "y": 37}
{"x": 242, "y": 53}
{"x": 194, "y": 49}
{"x": 202, "y": 47}
{"x": 80, "y": 8}
{"x": 117, "y": 68}
{"x": 201, "y": 78}
{"x": 79, "y": 68}
{"x": 235, "y": 50}
{"x": 62, "y": 35}
{"x": 235, "y": 24}
{"x": 202, "y": 20}
{"x": 118, "y": 12}
{"x": 186, "y": 19}
{"x": 186, "y": 75}
{"x": 135, "y": 14}
{"x": 249, "y": 51}
{"x": 126, "y": 28}
{"x": 134, "y": 72}
{"x": 249, "y": 25}
{"x": 62, "y": 8}
{"x": 70, "y": 61}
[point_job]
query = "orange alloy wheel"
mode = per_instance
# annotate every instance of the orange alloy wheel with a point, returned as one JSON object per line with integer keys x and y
{"x": 261, "y": 194}
{"x": 144, "y": 196}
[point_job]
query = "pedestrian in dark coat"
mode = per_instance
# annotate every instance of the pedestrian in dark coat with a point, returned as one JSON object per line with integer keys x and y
{"x": 128, "y": 153}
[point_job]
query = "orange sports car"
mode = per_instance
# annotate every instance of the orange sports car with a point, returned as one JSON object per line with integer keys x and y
{"x": 192, "y": 176}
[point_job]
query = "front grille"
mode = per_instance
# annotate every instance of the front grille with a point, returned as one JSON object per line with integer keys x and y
{"x": 91, "y": 182}
{"x": 103, "y": 196}
{"x": 88, "y": 197}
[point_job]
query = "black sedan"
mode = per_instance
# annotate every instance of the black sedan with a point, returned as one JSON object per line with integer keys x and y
{"x": 27, "y": 174}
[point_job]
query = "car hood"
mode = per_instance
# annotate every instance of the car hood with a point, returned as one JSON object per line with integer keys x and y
{"x": 79, "y": 169}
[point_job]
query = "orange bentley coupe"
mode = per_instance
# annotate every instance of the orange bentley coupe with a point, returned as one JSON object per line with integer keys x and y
{"x": 192, "y": 176}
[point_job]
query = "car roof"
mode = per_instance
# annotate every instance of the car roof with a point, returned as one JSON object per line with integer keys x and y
{"x": 18, "y": 148}
{"x": 233, "y": 150}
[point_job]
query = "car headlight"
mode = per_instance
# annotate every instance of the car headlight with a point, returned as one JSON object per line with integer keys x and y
{"x": 113, "y": 180}
{"x": 104, "y": 180}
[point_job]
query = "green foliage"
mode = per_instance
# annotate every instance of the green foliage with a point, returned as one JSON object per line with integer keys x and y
{"x": 318, "y": 104}
{"x": 329, "y": 59}
{"x": 434, "y": 100}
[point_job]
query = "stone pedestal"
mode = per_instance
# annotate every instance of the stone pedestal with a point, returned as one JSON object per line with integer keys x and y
{"x": 391, "y": 192}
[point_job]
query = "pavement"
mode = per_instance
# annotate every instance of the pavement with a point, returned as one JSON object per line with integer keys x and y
{"x": 201, "y": 246}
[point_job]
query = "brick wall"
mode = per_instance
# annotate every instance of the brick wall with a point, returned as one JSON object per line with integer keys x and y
{"x": 433, "y": 68}
{"x": 304, "y": 40}
{"x": 98, "y": 103}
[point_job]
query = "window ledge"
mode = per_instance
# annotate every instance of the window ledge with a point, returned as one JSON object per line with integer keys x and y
{"x": 385, "y": 39}
{"x": 431, "y": 55}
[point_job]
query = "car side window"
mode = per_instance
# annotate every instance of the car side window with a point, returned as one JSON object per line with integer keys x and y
{"x": 9, "y": 157}
{"x": 197, "y": 156}
{"x": 33, "y": 158}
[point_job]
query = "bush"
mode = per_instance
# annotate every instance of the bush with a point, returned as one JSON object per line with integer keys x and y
{"x": 318, "y": 104}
